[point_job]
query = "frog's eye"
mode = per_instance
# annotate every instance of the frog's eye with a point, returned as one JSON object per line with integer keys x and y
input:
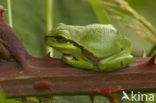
{"x": 61, "y": 39}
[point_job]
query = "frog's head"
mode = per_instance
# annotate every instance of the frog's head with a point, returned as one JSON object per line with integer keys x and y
{"x": 59, "y": 38}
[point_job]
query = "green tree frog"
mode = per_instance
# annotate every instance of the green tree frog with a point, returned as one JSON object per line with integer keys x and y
{"x": 99, "y": 47}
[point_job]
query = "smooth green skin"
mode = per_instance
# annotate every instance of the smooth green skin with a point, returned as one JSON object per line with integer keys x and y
{"x": 98, "y": 47}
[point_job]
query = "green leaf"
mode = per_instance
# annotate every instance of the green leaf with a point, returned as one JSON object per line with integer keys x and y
{"x": 34, "y": 99}
{"x": 100, "y": 12}
{"x": 73, "y": 12}
{"x": 72, "y": 99}
{"x": 2, "y": 97}
{"x": 12, "y": 101}
{"x": 101, "y": 99}
{"x": 29, "y": 23}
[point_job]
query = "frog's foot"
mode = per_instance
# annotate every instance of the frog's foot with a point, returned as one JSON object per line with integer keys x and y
{"x": 115, "y": 62}
{"x": 78, "y": 63}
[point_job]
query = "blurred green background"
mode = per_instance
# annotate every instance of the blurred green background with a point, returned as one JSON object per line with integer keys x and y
{"x": 30, "y": 25}
{"x": 29, "y": 20}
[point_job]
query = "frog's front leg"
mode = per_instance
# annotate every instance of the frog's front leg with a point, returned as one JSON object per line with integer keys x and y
{"x": 120, "y": 60}
{"x": 78, "y": 62}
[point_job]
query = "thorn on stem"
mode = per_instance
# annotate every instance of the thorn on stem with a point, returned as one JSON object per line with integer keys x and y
{"x": 48, "y": 56}
{"x": 144, "y": 53}
{"x": 108, "y": 93}
{"x": 152, "y": 60}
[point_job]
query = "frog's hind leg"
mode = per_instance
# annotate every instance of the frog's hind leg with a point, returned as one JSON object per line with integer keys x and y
{"x": 115, "y": 62}
{"x": 78, "y": 62}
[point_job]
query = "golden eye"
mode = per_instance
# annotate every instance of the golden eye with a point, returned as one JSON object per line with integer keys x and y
{"x": 61, "y": 39}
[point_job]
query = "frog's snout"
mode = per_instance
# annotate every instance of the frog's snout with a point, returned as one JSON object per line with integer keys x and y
{"x": 46, "y": 38}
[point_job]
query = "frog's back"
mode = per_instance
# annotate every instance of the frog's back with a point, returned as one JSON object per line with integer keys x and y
{"x": 101, "y": 40}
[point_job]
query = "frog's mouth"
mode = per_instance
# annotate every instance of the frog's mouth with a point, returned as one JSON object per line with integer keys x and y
{"x": 61, "y": 44}
{"x": 56, "y": 41}
{"x": 59, "y": 39}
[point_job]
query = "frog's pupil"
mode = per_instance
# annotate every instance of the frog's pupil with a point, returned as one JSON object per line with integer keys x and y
{"x": 60, "y": 39}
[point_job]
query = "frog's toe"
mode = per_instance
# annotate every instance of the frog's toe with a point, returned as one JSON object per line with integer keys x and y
{"x": 78, "y": 63}
{"x": 67, "y": 58}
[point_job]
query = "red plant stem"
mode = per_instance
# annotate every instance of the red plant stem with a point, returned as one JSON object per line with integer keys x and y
{"x": 13, "y": 43}
{"x": 63, "y": 79}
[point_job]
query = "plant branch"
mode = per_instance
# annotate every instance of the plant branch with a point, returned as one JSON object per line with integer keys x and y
{"x": 125, "y": 6}
{"x": 9, "y": 13}
{"x": 49, "y": 21}
{"x": 56, "y": 78}
{"x": 49, "y": 16}
{"x": 148, "y": 25}
{"x": 100, "y": 12}
{"x": 121, "y": 4}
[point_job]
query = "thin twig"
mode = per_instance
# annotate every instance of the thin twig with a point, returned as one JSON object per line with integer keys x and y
{"x": 49, "y": 22}
{"x": 9, "y": 13}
